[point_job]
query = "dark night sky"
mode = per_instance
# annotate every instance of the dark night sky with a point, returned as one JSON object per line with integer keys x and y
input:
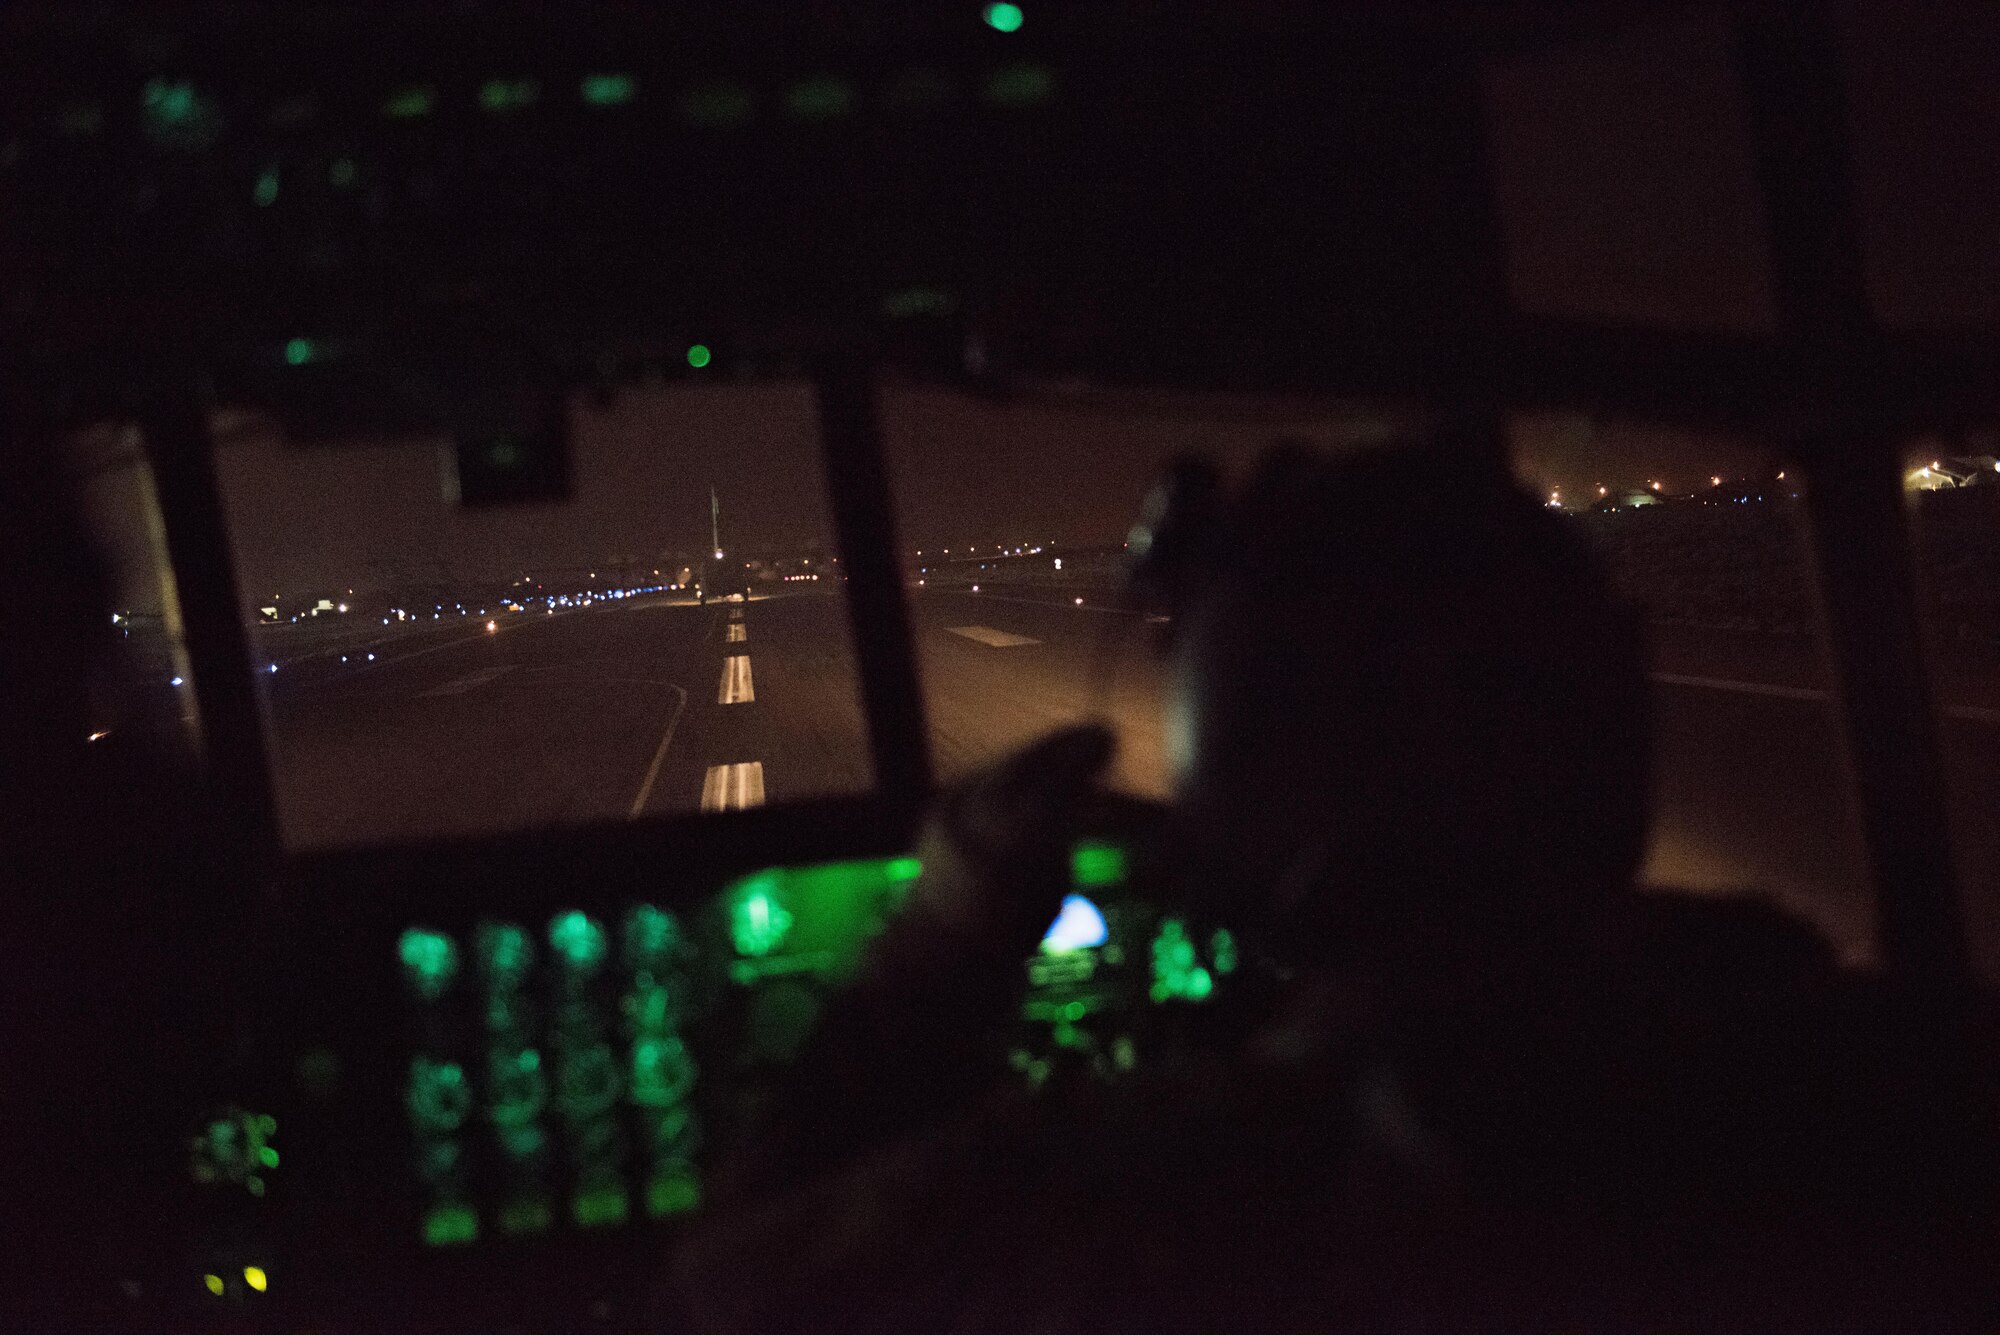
{"x": 1625, "y": 191}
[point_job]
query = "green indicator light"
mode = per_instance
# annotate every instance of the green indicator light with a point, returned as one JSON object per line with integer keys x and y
{"x": 213, "y": 1283}
{"x": 500, "y": 95}
{"x": 698, "y": 356}
{"x": 677, "y": 1194}
{"x": 821, "y": 99}
{"x": 759, "y": 923}
{"x": 1176, "y": 976}
{"x": 300, "y": 351}
{"x": 169, "y": 103}
{"x": 604, "y": 1206}
{"x": 268, "y": 1157}
{"x": 267, "y": 1125}
{"x": 578, "y": 940}
{"x": 1222, "y": 951}
{"x": 505, "y": 951}
{"x": 903, "y": 869}
{"x": 256, "y": 1185}
{"x": 1021, "y": 86}
{"x": 450, "y": 1225}
{"x": 430, "y": 960}
{"x": 662, "y": 1071}
{"x": 521, "y": 1142}
{"x": 522, "y": 1217}
{"x": 609, "y": 90}
{"x": 587, "y": 1083}
{"x": 1074, "y": 1011}
{"x": 1095, "y": 863}
{"x": 266, "y": 192}
{"x": 1004, "y": 17}
{"x": 518, "y": 1088}
{"x": 440, "y": 1097}
{"x": 341, "y": 173}
{"x": 255, "y": 1277}
{"x": 650, "y": 935}
{"x": 718, "y": 105}
{"x": 410, "y": 103}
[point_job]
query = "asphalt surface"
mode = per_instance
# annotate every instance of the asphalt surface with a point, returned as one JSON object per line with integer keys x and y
{"x": 636, "y": 708}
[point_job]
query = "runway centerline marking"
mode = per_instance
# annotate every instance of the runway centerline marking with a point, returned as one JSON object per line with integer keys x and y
{"x": 997, "y": 639}
{"x": 737, "y": 634}
{"x": 659, "y": 753}
{"x": 737, "y": 787}
{"x": 471, "y": 681}
{"x": 736, "y": 687}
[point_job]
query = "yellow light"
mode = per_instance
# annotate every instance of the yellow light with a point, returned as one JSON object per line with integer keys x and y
{"x": 100, "y": 734}
{"x": 1601, "y": 491}
{"x": 1781, "y": 475}
{"x": 1714, "y": 481}
{"x": 214, "y": 1283}
{"x": 255, "y": 1278}
{"x": 492, "y": 628}
{"x": 1936, "y": 464}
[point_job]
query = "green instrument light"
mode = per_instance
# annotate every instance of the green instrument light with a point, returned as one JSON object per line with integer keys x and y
{"x": 518, "y": 1089}
{"x": 430, "y": 960}
{"x": 1096, "y": 863}
{"x": 266, "y": 192}
{"x": 521, "y": 1142}
{"x": 662, "y": 1071}
{"x": 300, "y": 351}
{"x": 609, "y": 90}
{"x": 675, "y": 1193}
{"x": 650, "y": 935}
{"x": 174, "y": 115}
{"x": 341, "y": 174}
{"x": 1222, "y": 950}
{"x": 903, "y": 869}
{"x": 504, "y": 95}
{"x": 1021, "y": 86}
{"x": 410, "y": 103}
{"x": 450, "y": 1225}
{"x": 268, "y": 1157}
{"x": 699, "y": 356}
{"x": 578, "y": 939}
{"x": 759, "y": 923}
{"x": 601, "y": 1207}
{"x": 587, "y": 1083}
{"x": 505, "y": 952}
{"x": 169, "y": 103}
{"x": 440, "y": 1097}
{"x": 519, "y": 1218}
{"x": 1004, "y": 17}
{"x": 1176, "y": 975}
{"x": 821, "y": 99}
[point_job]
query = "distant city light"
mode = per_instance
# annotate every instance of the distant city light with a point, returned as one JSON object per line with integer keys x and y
{"x": 1079, "y": 602}
{"x": 342, "y": 607}
{"x": 271, "y": 667}
{"x": 1714, "y": 481}
{"x": 698, "y": 356}
{"x": 491, "y": 628}
{"x": 1004, "y": 17}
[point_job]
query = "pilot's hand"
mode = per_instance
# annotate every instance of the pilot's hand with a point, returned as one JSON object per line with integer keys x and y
{"x": 996, "y": 850}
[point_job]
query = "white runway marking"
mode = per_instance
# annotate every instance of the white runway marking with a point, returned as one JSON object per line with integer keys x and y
{"x": 733, "y": 787}
{"x": 735, "y": 688}
{"x": 660, "y": 754}
{"x": 998, "y": 639}
{"x": 735, "y": 614}
{"x": 471, "y": 681}
{"x": 737, "y": 634}
{"x": 1970, "y": 713}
